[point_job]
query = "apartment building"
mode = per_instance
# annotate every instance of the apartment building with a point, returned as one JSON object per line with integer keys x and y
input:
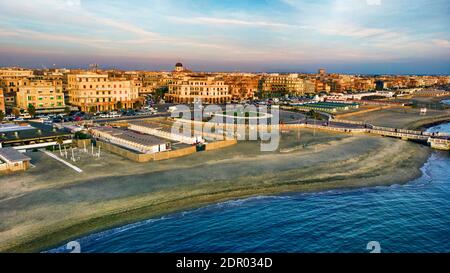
{"x": 242, "y": 87}
{"x": 45, "y": 95}
{"x": 197, "y": 88}
{"x": 92, "y": 92}
{"x": 11, "y": 79}
{"x": 280, "y": 85}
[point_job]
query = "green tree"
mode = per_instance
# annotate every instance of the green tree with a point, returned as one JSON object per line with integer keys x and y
{"x": 159, "y": 92}
{"x": 119, "y": 105}
{"x": 67, "y": 110}
{"x": 314, "y": 115}
{"x": 92, "y": 109}
{"x": 31, "y": 110}
{"x": 138, "y": 104}
{"x": 2, "y": 115}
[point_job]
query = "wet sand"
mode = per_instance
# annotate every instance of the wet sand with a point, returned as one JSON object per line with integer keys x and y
{"x": 51, "y": 204}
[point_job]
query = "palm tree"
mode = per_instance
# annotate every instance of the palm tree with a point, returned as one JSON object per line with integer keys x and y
{"x": 60, "y": 142}
{"x": 31, "y": 110}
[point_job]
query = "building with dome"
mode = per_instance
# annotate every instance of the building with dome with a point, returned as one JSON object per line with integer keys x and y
{"x": 179, "y": 67}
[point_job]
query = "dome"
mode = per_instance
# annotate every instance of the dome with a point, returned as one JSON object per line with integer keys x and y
{"x": 178, "y": 65}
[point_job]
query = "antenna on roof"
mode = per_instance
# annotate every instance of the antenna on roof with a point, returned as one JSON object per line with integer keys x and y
{"x": 93, "y": 67}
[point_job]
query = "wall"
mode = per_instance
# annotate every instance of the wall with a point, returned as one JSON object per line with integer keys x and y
{"x": 174, "y": 153}
{"x": 220, "y": 144}
{"x": 146, "y": 157}
{"x": 14, "y": 167}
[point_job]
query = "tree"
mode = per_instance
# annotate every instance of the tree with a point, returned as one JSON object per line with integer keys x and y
{"x": 67, "y": 110}
{"x": 119, "y": 105}
{"x": 92, "y": 109}
{"x": 314, "y": 115}
{"x": 159, "y": 92}
{"x": 59, "y": 141}
{"x": 2, "y": 115}
{"x": 138, "y": 104}
{"x": 31, "y": 110}
{"x": 16, "y": 112}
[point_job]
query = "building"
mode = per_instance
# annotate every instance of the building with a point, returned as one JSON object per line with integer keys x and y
{"x": 12, "y": 160}
{"x": 279, "y": 85}
{"x": 179, "y": 67}
{"x": 242, "y": 87}
{"x": 92, "y": 92}
{"x": 143, "y": 143}
{"x": 11, "y": 79}
{"x": 45, "y": 96}
{"x": 152, "y": 81}
{"x": 26, "y": 137}
{"x": 164, "y": 131}
{"x": 2, "y": 101}
{"x": 15, "y": 73}
{"x": 198, "y": 88}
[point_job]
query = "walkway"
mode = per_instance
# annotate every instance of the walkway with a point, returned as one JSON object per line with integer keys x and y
{"x": 62, "y": 161}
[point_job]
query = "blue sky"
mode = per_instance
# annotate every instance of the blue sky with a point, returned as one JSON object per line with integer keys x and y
{"x": 347, "y": 36}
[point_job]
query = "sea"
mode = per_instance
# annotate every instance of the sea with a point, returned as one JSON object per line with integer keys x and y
{"x": 413, "y": 217}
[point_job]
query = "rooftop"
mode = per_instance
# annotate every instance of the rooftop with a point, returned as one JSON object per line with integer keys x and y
{"x": 15, "y": 133}
{"x": 142, "y": 139}
{"x": 10, "y": 155}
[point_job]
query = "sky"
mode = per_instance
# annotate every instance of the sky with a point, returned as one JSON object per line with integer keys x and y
{"x": 343, "y": 36}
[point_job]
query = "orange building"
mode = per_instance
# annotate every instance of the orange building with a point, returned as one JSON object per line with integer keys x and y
{"x": 92, "y": 91}
{"x": 2, "y": 101}
{"x": 242, "y": 87}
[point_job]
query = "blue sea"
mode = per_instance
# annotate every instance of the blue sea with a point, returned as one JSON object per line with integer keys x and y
{"x": 414, "y": 217}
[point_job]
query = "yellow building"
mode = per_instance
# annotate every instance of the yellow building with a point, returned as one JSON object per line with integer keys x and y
{"x": 11, "y": 79}
{"x": 45, "y": 96}
{"x": 2, "y": 101}
{"x": 278, "y": 85}
{"x": 92, "y": 91}
{"x": 197, "y": 88}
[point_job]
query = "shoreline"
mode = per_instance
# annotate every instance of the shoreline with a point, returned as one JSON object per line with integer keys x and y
{"x": 78, "y": 229}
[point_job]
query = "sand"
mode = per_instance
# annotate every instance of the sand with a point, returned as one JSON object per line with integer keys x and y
{"x": 402, "y": 117}
{"x": 51, "y": 204}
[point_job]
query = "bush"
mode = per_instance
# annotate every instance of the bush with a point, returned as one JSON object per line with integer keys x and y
{"x": 81, "y": 135}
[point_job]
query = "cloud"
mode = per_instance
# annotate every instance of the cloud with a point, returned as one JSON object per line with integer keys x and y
{"x": 227, "y": 21}
{"x": 353, "y": 30}
{"x": 442, "y": 43}
{"x": 373, "y": 2}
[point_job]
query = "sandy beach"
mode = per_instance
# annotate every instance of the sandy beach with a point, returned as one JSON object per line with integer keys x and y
{"x": 51, "y": 204}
